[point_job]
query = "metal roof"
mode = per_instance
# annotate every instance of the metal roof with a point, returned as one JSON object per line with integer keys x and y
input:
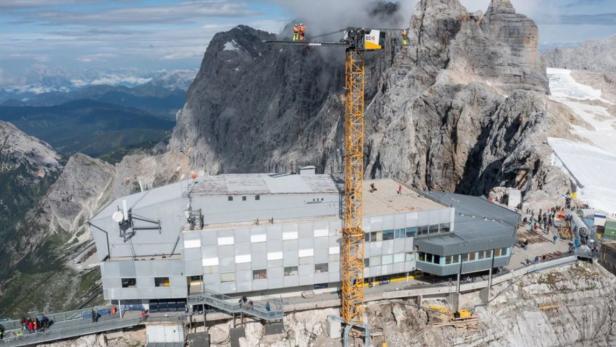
{"x": 479, "y": 225}
{"x": 234, "y": 184}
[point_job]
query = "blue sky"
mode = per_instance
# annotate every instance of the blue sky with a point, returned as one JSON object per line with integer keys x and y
{"x": 81, "y": 36}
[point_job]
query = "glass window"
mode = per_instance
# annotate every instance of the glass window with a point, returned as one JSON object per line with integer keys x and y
{"x": 230, "y": 198}
{"x": 428, "y": 257}
{"x": 243, "y": 198}
{"x": 456, "y": 258}
{"x": 319, "y": 268}
{"x": 129, "y": 282}
{"x": 498, "y": 252}
{"x": 422, "y": 256}
{"x": 162, "y": 282}
{"x": 227, "y": 277}
{"x": 504, "y": 251}
{"x": 373, "y": 236}
{"x": 257, "y": 197}
{"x": 259, "y": 274}
{"x": 367, "y": 237}
{"x": 471, "y": 256}
{"x": 448, "y": 259}
{"x": 437, "y": 259}
{"x": 400, "y": 233}
{"x": 379, "y": 236}
{"x": 434, "y": 229}
{"x": 444, "y": 228}
{"x": 422, "y": 230}
{"x": 399, "y": 258}
{"x": 290, "y": 271}
{"x": 465, "y": 257}
{"x": 367, "y": 262}
{"x": 388, "y": 235}
{"x": 388, "y": 259}
{"x": 411, "y": 232}
{"x": 375, "y": 261}
{"x": 481, "y": 255}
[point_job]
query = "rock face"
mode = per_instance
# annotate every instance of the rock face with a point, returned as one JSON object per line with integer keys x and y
{"x": 596, "y": 56}
{"x": 463, "y": 109}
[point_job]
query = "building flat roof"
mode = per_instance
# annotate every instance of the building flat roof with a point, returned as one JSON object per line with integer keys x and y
{"x": 479, "y": 225}
{"x": 386, "y": 200}
{"x": 237, "y": 184}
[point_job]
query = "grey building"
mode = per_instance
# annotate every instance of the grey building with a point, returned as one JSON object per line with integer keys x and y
{"x": 252, "y": 233}
{"x": 484, "y": 237}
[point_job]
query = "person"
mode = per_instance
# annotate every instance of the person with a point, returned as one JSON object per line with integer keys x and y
{"x": 1, "y": 332}
{"x": 268, "y": 307}
{"x": 405, "y": 38}
{"x": 555, "y": 238}
{"x": 114, "y": 310}
{"x": 302, "y": 32}
{"x": 94, "y": 316}
{"x": 296, "y": 32}
{"x": 399, "y": 189}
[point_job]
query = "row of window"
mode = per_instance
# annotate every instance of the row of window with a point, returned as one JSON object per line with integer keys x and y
{"x": 455, "y": 259}
{"x": 388, "y": 259}
{"x": 158, "y": 282}
{"x": 244, "y": 198}
{"x": 401, "y": 233}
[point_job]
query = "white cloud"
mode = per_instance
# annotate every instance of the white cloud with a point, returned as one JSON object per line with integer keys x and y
{"x": 114, "y": 80}
{"x": 35, "y": 3}
{"x": 90, "y": 58}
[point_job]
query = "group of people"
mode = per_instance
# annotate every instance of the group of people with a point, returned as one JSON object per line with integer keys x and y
{"x": 299, "y": 32}
{"x": 33, "y": 325}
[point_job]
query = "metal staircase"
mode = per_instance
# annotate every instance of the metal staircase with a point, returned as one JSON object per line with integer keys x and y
{"x": 227, "y": 304}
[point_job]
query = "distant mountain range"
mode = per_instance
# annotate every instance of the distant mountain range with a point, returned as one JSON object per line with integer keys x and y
{"x": 88, "y": 126}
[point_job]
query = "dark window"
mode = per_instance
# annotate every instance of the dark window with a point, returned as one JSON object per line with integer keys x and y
{"x": 257, "y": 197}
{"x": 411, "y": 232}
{"x": 504, "y": 251}
{"x": 373, "y": 236}
{"x": 422, "y": 256}
{"x": 433, "y": 229}
{"x": 422, "y": 230}
{"x": 229, "y": 198}
{"x": 400, "y": 233}
{"x": 465, "y": 257}
{"x": 290, "y": 271}
{"x": 471, "y": 256}
{"x": 162, "y": 282}
{"x": 437, "y": 259}
{"x": 243, "y": 198}
{"x": 388, "y": 235}
{"x": 444, "y": 228}
{"x": 129, "y": 282}
{"x": 367, "y": 262}
{"x": 319, "y": 268}
{"x": 367, "y": 237}
{"x": 259, "y": 274}
{"x": 482, "y": 254}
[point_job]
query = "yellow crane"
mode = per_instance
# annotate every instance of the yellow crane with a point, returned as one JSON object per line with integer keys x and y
{"x": 357, "y": 42}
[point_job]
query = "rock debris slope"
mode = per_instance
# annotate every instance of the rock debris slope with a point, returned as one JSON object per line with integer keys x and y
{"x": 464, "y": 109}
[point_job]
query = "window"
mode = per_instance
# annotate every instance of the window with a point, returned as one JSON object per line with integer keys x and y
{"x": 437, "y": 259}
{"x": 400, "y": 233}
{"x": 465, "y": 257}
{"x": 367, "y": 237}
{"x": 289, "y": 235}
{"x": 257, "y": 197}
{"x": 243, "y": 258}
{"x": 210, "y": 262}
{"x": 456, "y": 258}
{"x": 192, "y": 243}
{"x": 422, "y": 256}
{"x": 498, "y": 252}
{"x": 334, "y": 250}
{"x": 258, "y": 238}
{"x": 259, "y": 274}
{"x": 388, "y": 235}
{"x": 388, "y": 259}
{"x": 320, "y": 268}
{"x": 306, "y": 253}
{"x": 375, "y": 261}
{"x": 373, "y": 236}
{"x": 399, "y": 258}
{"x": 471, "y": 256}
{"x": 367, "y": 262}
{"x": 505, "y": 251}
{"x": 243, "y": 198}
{"x": 162, "y": 282}
{"x": 129, "y": 282}
{"x": 422, "y": 231}
{"x": 429, "y": 257}
{"x": 379, "y": 236}
{"x": 274, "y": 256}
{"x": 444, "y": 228}
{"x": 411, "y": 232}
{"x": 481, "y": 255}
{"x": 433, "y": 229}
{"x": 229, "y": 198}
{"x": 227, "y": 277}
{"x": 290, "y": 271}
{"x": 448, "y": 260}
{"x": 225, "y": 241}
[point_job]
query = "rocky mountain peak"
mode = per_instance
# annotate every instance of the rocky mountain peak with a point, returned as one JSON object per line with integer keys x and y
{"x": 501, "y": 6}
{"x": 17, "y": 148}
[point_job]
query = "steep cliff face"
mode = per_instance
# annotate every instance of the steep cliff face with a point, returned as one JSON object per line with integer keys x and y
{"x": 463, "y": 109}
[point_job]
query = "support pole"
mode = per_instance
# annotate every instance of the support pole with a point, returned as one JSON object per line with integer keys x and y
{"x": 490, "y": 275}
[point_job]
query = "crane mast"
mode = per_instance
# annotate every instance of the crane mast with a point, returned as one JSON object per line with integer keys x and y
{"x": 353, "y": 243}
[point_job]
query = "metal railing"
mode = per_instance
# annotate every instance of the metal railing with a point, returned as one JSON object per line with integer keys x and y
{"x": 270, "y": 311}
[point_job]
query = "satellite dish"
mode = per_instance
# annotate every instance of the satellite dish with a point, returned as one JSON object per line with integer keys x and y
{"x": 117, "y": 216}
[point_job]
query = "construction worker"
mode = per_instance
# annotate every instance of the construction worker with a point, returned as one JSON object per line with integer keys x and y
{"x": 302, "y": 32}
{"x": 405, "y": 38}
{"x": 296, "y": 32}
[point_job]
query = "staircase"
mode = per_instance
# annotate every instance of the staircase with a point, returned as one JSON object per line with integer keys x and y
{"x": 232, "y": 306}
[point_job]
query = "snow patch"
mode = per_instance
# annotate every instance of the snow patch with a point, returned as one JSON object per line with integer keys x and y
{"x": 590, "y": 167}
{"x": 231, "y": 46}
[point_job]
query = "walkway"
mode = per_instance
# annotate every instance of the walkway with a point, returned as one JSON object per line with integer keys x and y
{"x": 270, "y": 311}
